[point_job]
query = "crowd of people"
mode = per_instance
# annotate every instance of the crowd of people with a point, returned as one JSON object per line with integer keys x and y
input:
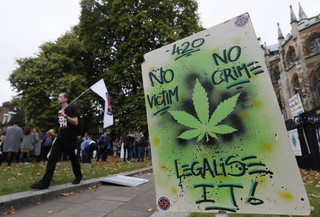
{"x": 26, "y": 145}
{"x": 129, "y": 147}
{"x": 32, "y": 144}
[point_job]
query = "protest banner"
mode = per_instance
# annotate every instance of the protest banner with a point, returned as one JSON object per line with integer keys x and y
{"x": 296, "y": 106}
{"x": 218, "y": 138}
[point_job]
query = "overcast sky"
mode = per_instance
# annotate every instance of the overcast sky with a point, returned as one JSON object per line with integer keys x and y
{"x": 26, "y": 24}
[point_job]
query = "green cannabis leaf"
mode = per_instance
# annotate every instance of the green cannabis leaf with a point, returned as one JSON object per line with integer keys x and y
{"x": 204, "y": 126}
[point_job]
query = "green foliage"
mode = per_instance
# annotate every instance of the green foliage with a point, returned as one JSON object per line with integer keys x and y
{"x": 204, "y": 126}
{"x": 108, "y": 43}
{"x": 59, "y": 66}
{"x": 131, "y": 28}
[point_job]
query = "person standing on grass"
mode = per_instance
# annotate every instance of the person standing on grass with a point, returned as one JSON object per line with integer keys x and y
{"x": 141, "y": 147}
{"x": 65, "y": 141}
{"x": 116, "y": 146}
{"x": 36, "y": 152}
{"x": 26, "y": 145}
{"x": 102, "y": 147}
{"x": 12, "y": 143}
{"x": 126, "y": 147}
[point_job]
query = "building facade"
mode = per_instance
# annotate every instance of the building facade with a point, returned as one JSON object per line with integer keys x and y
{"x": 294, "y": 63}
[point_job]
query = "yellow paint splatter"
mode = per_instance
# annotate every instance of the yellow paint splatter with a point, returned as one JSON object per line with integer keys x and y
{"x": 256, "y": 103}
{"x": 152, "y": 68}
{"x": 163, "y": 167}
{"x": 156, "y": 141}
{"x": 237, "y": 41}
{"x": 173, "y": 190}
{"x": 266, "y": 147}
{"x": 286, "y": 196}
{"x": 244, "y": 116}
{"x": 262, "y": 181}
{"x": 182, "y": 96}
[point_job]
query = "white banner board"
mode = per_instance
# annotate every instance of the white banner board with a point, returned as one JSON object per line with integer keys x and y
{"x": 217, "y": 137}
{"x": 296, "y": 106}
{"x": 295, "y": 142}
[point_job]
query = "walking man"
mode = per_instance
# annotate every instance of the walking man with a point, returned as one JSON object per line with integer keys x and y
{"x": 66, "y": 141}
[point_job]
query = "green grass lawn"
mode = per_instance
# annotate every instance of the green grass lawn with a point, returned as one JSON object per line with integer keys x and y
{"x": 311, "y": 181}
{"x": 18, "y": 177}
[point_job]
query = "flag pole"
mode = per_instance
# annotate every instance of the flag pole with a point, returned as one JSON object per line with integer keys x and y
{"x": 79, "y": 96}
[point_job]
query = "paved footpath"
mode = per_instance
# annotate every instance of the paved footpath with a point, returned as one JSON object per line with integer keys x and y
{"x": 89, "y": 199}
{"x": 105, "y": 201}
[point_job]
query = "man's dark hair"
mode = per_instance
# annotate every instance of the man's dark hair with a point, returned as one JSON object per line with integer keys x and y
{"x": 27, "y": 130}
{"x": 66, "y": 95}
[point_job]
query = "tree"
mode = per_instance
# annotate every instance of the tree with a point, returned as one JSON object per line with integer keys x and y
{"x": 108, "y": 43}
{"x": 118, "y": 33}
{"x": 59, "y": 66}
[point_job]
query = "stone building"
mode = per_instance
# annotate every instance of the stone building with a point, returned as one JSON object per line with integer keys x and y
{"x": 4, "y": 111}
{"x": 294, "y": 63}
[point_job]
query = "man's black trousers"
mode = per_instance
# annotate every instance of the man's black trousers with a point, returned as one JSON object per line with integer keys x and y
{"x": 59, "y": 146}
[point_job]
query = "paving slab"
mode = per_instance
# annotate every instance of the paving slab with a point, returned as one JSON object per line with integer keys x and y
{"x": 106, "y": 201}
{"x": 23, "y": 199}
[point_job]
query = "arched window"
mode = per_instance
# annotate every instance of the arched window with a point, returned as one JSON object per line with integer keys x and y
{"x": 276, "y": 74}
{"x": 291, "y": 56}
{"x": 296, "y": 84}
{"x": 315, "y": 44}
{"x": 312, "y": 44}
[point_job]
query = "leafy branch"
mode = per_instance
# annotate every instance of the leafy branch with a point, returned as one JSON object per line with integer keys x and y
{"x": 204, "y": 126}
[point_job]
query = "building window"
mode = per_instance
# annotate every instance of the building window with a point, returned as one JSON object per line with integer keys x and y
{"x": 276, "y": 74}
{"x": 291, "y": 56}
{"x": 315, "y": 44}
{"x": 296, "y": 84}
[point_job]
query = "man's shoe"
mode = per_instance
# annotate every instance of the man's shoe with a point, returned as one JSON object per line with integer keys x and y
{"x": 76, "y": 181}
{"x": 39, "y": 185}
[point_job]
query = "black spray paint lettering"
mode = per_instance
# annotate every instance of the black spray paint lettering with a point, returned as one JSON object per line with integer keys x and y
{"x": 163, "y": 99}
{"x": 228, "y": 56}
{"x": 222, "y": 189}
{"x": 166, "y": 76}
{"x": 187, "y": 48}
{"x": 229, "y": 166}
{"x": 236, "y": 74}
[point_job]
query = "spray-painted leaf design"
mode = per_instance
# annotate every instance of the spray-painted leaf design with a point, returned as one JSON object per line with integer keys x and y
{"x": 189, "y": 134}
{"x": 201, "y": 102}
{"x": 223, "y": 110}
{"x": 205, "y": 127}
{"x": 222, "y": 129}
{"x": 185, "y": 119}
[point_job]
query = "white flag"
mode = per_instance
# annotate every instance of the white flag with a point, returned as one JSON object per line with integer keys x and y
{"x": 101, "y": 89}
